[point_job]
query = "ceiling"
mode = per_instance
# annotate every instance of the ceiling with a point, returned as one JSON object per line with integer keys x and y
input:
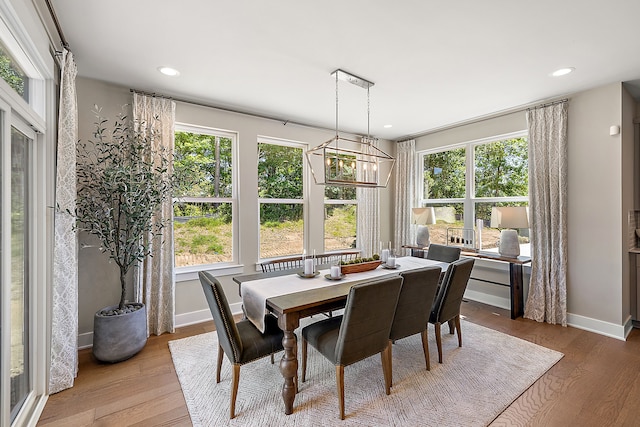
{"x": 433, "y": 63}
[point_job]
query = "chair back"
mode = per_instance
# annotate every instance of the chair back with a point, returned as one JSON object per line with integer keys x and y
{"x": 447, "y": 303}
{"x": 414, "y": 303}
{"x": 367, "y": 318}
{"x": 228, "y": 336}
{"x": 443, "y": 253}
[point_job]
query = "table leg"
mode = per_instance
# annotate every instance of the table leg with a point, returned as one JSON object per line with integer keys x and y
{"x": 517, "y": 292}
{"x": 289, "y": 362}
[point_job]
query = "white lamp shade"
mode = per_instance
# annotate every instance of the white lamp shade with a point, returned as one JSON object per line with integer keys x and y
{"x": 424, "y": 216}
{"x": 509, "y": 217}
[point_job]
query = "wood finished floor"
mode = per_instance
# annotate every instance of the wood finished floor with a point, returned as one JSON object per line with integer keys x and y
{"x": 597, "y": 382}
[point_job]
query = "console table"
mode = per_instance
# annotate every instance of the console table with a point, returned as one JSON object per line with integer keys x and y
{"x": 515, "y": 277}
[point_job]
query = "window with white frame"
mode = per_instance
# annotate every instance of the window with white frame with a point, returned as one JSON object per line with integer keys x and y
{"x": 281, "y": 195}
{"x": 204, "y": 209}
{"x": 463, "y": 182}
{"x": 340, "y": 217}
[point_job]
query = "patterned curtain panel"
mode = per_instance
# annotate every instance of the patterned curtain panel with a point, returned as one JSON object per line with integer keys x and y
{"x": 154, "y": 281}
{"x": 368, "y": 222}
{"x": 547, "y": 300}
{"x": 64, "y": 291}
{"x": 404, "y": 197}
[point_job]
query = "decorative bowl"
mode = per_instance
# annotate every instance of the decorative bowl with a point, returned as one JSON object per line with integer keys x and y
{"x": 360, "y": 267}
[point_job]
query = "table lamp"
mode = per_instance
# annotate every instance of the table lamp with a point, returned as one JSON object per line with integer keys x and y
{"x": 509, "y": 218}
{"x": 423, "y": 217}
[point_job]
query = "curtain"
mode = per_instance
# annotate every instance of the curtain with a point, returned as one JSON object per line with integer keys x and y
{"x": 404, "y": 197}
{"x": 368, "y": 222}
{"x": 547, "y": 300}
{"x": 64, "y": 289}
{"x": 155, "y": 279}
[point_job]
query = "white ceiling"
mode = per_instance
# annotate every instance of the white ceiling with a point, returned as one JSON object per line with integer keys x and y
{"x": 433, "y": 63}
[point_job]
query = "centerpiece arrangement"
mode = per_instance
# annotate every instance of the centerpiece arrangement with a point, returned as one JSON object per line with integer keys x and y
{"x": 359, "y": 265}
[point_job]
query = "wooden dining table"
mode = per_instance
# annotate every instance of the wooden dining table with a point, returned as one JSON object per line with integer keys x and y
{"x": 296, "y": 297}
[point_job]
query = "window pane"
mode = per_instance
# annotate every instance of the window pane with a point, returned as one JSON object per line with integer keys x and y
{"x": 502, "y": 168}
{"x": 19, "y": 304}
{"x": 448, "y": 215}
{"x": 203, "y": 233}
{"x": 13, "y": 74}
{"x": 281, "y": 229}
{"x": 280, "y": 172}
{"x": 444, "y": 174}
{"x": 207, "y": 162}
{"x": 491, "y": 236}
{"x": 339, "y": 192}
{"x": 339, "y": 226}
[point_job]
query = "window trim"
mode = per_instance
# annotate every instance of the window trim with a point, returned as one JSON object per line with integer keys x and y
{"x": 190, "y": 272}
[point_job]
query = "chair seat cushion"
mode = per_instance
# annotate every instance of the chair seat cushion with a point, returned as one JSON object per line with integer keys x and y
{"x": 323, "y": 335}
{"x": 256, "y": 345}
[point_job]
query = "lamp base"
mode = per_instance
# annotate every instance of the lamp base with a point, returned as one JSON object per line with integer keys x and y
{"x": 422, "y": 236}
{"x": 509, "y": 244}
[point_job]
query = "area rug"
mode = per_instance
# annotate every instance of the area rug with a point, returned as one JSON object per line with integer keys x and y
{"x": 472, "y": 387}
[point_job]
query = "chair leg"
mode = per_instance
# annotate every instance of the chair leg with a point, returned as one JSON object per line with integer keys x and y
{"x": 340, "y": 385}
{"x": 451, "y": 325}
{"x": 385, "y": 357}
{"x": 304, "y": 359}
{"x": 439, "y": 341}
{"x": 272, "y": 361}
{"x": 425, "y": 348}
{"x": 219, "y": 364}
{"x": 234, "y": 390}
{"x": 458, "y": 330}
{"x": 390, "y": 356}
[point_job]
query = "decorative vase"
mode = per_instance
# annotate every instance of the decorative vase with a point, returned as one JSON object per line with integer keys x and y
{"x": 121, "y": 336}
{"x": 509, "y": 244}
{"x": 422, "y": 236}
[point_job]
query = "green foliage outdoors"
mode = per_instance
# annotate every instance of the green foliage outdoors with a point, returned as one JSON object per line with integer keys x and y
{"x": 11, "y": 73}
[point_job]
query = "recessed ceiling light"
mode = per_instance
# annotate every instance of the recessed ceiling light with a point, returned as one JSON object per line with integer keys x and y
{"x": 388, "y": 126}
{"x": 168, "y": 71}
{"x": 562, "y": 71}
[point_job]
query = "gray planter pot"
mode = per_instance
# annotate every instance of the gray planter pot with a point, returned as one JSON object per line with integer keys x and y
{"x": 117, "y": 338}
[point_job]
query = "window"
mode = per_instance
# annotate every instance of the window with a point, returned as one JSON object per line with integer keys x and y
{"x": 203, "y": 225}
{"x": 281, "y": 197}
{"x": 463, "y": 183}
{"x": 11, "y": 73}
{"x": 340, "y": 218}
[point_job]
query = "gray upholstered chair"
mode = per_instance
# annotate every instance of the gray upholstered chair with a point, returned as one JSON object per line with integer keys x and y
{"x": 242, "y": 342}
{"x": 361, "y": 332}
{"x": 443, "y": 253}
{"x": 446, "y": 307}
{"x": 414, "y": 306}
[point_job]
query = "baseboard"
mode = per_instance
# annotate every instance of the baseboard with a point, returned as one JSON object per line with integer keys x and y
{"x": 608, "y": 329}
{"x": 489, "y": 299}
{"x": 85, "y": 340}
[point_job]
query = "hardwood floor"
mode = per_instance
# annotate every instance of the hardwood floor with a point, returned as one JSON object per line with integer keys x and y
{"x": 597, "y": 382}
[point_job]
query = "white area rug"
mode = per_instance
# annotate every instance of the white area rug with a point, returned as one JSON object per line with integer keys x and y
{"x": 472, "y": 387}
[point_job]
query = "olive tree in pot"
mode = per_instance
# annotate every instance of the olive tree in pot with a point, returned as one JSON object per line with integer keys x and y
{"x": 122, "y": 182}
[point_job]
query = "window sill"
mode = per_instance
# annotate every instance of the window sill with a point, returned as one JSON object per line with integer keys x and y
{"x": 186, "y": 274}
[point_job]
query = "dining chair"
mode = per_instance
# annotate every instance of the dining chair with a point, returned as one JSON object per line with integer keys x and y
{"x": 443, "y": 253}
{"x": 446, "y": 306}
{"x": 414, "y": 306}
{"x": 362, "y": 331}
{"x": 242, "y": 342}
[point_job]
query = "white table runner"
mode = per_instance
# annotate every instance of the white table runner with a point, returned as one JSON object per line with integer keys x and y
{"x": 255, "y": 292}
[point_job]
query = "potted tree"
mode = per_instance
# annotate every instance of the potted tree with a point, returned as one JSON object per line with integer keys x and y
{"x": 122, "y": 181}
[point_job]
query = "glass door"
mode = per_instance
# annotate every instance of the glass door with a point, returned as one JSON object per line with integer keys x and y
{"x": 20, "y": 381}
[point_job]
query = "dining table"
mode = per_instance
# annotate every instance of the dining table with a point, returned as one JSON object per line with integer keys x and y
{"x": 291, "y": 295}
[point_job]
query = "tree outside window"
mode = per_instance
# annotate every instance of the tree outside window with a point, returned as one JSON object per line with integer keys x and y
{"x": 203, "y": 210}
{"x": 340, "y": 218}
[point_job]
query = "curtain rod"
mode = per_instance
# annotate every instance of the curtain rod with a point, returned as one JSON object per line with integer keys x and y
{"x": 502, "y": 113}
{"x": 230, "y": 110}
{"x": 52, "y": 12}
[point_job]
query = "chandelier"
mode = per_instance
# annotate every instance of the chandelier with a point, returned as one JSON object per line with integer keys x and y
{"x": 350, "y": 162}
